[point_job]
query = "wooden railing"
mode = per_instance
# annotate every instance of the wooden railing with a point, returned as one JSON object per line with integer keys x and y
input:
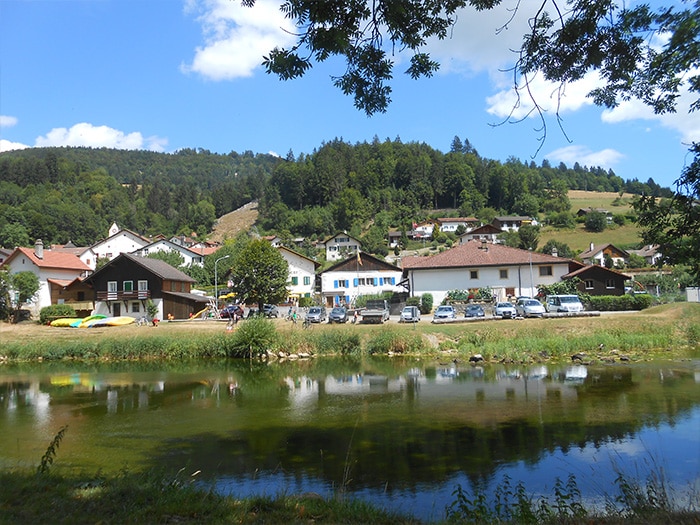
{"x": 124, "y": 296}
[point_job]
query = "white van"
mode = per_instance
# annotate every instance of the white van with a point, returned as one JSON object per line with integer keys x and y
{"x": 563, "y": 303}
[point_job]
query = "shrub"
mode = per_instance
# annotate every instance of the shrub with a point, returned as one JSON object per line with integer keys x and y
{"x": 614, "y": 303}
{"x": 49, "y": 313}
{"x": 413, "y": 301}
{"x": 426, "y": 303}
{"x": 253, "y": 336}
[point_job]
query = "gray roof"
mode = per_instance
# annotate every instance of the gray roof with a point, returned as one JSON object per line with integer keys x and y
{"x": 159, "y": 268}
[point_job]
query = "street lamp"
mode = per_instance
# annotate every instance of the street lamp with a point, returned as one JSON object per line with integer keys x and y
{"x": 532, "y": 281}
{"x": 216, "y": 279}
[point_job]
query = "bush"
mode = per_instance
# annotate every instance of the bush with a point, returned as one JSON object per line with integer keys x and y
{"x": 413, "y": 301}
{"x": 426, "y": 303}
{"x": 394, "y": 342}
{"x": 338, "y": 342}
{"x": 253, "y": 337}
{"x": 49, "y": 313}
{"x": 616, "y": 303}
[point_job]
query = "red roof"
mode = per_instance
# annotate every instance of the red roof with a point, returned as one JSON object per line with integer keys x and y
{"x": 476, "y": 253}
{"x": 60, "y": 260}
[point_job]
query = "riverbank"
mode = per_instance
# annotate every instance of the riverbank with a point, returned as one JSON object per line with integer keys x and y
{"x": 667, "y": 331}
{"x": 47, "y": 497}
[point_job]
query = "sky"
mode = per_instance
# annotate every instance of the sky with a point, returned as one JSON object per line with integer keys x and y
{"x": 164, "y": 75}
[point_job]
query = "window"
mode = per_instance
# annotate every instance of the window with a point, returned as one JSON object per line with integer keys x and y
{"x": 111, "y": 286}
{"x": 545, "y": 271}
{"x": 341, "y": 283}
{"x": 610, "y": 283}
{"x": 473, "y": 274}
{"x": 81, "y": 296}
{"x": 307, "y": 280}
{"x": 503, "y": 274}
{"x": 128, "y": 286}
{"x": 135, "y": 307}
{"x": 589, "y": 284}
{"x": 295, "y": 281}
{"x": 143, "y": 286}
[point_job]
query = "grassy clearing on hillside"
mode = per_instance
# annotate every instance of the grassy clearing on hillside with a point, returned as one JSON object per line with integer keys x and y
{"x": 593, "y": 199}
{"x": 579, "y": 239}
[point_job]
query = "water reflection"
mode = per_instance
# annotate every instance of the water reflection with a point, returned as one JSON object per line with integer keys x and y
{"x": 401, "y": 433}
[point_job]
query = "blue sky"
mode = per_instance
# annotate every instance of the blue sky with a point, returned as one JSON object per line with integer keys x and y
{"x": 168, "y": 74}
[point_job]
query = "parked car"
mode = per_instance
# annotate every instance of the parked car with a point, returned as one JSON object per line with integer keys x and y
{"x": 474, "y": 310}
{"x": 444, "y": 312}
{"x": 505, "y": 310}
{"x": 270, "y": 310}
{"x": 339, "y": 314}
{"x": 410, "y": 314}
{"x": 230, "y": 310}
{"x": 316, "y": 314}
{"x": 529, "y": 308}
{"x": 563, "y": 303}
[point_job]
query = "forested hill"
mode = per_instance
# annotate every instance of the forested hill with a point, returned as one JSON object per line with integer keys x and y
{"x": 62, "y": 194}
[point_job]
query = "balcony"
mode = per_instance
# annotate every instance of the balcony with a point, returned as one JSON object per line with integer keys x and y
{"x": 134, "y": 295}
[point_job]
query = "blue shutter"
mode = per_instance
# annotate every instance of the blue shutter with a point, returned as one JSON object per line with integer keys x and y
{"x": 381, "y": 281}
{"x": 355, "y": 282}
{"x": 335, "y": 284}
{"x": 393, "y": 280}
{"x": 375, "y": 281}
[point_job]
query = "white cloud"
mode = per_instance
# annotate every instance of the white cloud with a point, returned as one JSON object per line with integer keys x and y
{"x": 686, "y": 124}
{"x": 6, "y": 145}
{"x": 237, "y": 37}
{"x": 605, "y": 158}
{"x": 84, "y": 134}
{"x": 7, "y": 122}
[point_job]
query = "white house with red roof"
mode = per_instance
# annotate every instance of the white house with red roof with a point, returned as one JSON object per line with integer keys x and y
{"x": 190, "y": 256}
{"x": 302, "y": 274}
{"x": 51, "y": 268}
{"x": 450, "y": 224}
{"x": 480, "y": 264}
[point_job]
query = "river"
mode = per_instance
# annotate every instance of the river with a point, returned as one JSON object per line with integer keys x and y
{"x": 401, "y": 433}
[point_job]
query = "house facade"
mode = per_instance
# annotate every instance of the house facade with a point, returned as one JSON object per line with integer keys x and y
{"x": 598, "y": 254}
{"x": 599, "y": 280}
{"x": 126, "y": 284}
{"x": 341, "y": 246}
{"x": 450, "y": 225}
{"x": 120, "y": 241}
{"x": 189, "y": 256}
{"x": 49, "y": 267}
{"x": 487, "y": 232}
{"x": 508, "y": 272}
{"x": 359, "y": 275}
{"x": 302, "y": 274}
{"x": 513, "y": 222}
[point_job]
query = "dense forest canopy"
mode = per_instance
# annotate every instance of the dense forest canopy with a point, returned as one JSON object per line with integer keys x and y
{"x": 74, "y": 194}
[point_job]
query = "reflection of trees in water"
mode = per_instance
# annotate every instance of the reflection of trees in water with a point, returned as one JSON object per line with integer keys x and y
{"x": 398, "y": 427}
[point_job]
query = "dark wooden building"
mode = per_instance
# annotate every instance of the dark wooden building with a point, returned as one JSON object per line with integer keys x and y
{"x": 126, "y": 284}
{"x": 599, "y": 280}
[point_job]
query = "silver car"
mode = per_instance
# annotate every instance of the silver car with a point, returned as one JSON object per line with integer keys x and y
{"x": 529, "y": 308}
{"x": 317, "y": 314}
{"x": 505, "y": 310}
{"x": 410, "y": 314}
{"x": 444, "y": 312}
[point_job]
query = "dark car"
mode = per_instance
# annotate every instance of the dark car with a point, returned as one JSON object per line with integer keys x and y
{"x": 338, "y": 315}
{"x": 474, "y": 310}
{"x": 229, "y": 311}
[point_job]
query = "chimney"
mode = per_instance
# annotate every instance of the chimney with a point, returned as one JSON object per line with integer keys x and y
{"x": 591, "y": 247}
{"x": 555, "y": 252}
{"x": 39, "y": 249}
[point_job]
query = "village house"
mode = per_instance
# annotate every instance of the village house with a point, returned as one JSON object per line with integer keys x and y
{"x": 54, "y": 270}
{"x": 302, "y": 274}
{"x": 651, "y": 254}
{"x": 359, "y": 275}
{"x": 598, "y": 280}
{"x": 487, "y": 232}
{"x": 423, "y": 230}
{"x": 598, "y": 254}
{"x": 119, "y": 241}
{"x": 508, "y": 272}
{"x": 126, "y": 284}
{"x": 340, "y": 246}
{"x": 513, "y": 222}
{"x": 189, "y": 256}
{"x": 450, "y": 225}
